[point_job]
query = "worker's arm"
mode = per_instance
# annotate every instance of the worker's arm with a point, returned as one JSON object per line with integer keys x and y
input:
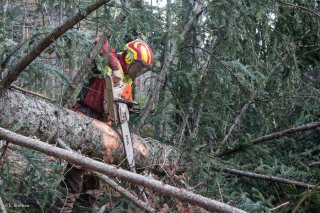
{"x": 113, "y": 63}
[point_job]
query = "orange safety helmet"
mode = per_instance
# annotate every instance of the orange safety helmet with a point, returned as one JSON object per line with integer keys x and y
{"x": 138, "y": 50}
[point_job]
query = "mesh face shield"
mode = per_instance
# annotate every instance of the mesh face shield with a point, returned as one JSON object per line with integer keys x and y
{"x": 136, "y": 69}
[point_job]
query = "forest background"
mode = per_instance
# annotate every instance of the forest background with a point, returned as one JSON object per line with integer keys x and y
{"x": 235, "y": 89}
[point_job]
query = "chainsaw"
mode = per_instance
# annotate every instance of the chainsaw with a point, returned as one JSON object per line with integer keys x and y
{"x": 118, "y": 112}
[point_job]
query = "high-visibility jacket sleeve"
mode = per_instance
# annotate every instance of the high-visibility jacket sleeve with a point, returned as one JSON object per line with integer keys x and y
{"x": 113, "y": 62}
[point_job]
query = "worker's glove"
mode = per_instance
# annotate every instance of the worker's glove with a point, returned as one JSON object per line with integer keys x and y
{"x": 134, "y": 111}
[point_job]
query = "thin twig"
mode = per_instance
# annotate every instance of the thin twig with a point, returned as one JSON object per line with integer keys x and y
{"x": 280, "y": 206}
{"x": 30, "y": 92}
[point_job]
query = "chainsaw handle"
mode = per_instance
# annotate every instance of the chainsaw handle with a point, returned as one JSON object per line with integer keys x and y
{"x": 125, "y": 101}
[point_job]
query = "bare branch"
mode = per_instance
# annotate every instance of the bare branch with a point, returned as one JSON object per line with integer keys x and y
{"x": 80, "y": 160}
{"x": 125, "y": 192}
{"x": 264, "y": 177}
{"x": 270, "y": 137}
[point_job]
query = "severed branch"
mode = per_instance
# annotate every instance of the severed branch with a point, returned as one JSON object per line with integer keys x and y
{"x": 15, "y": 71}
{"x": 264, "y": 177}
{"x": 114, "y": 185}
{"x": 270, "y": 137}
{"x": 80, "y": 160}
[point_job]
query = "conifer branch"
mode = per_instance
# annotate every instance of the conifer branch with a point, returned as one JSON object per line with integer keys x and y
{"x": 45, "y": 42}
{"x": 237, "y": 119}
{"x": 251, "y": 99}
{"x": 153, "y": 98}
{"x": 300, "y": 7}
{"x": 307, "y": 194}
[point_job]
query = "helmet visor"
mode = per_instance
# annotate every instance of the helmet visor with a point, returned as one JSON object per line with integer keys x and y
{"x": 136, "y": 69}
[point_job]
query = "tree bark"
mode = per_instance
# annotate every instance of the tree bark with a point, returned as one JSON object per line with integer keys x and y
{"x": 80, "y": 160}
{"x": 45, "y": 42}
{"x": 34, "y": 117}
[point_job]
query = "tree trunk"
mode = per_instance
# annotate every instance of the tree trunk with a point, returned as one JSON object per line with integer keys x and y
{"x": 34, "y": 117}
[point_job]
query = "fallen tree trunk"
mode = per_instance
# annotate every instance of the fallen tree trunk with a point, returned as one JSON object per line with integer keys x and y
{"x": 34, "y": 117}
{"x": 111, "y": 171}
{"x": 45, "y": 42}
